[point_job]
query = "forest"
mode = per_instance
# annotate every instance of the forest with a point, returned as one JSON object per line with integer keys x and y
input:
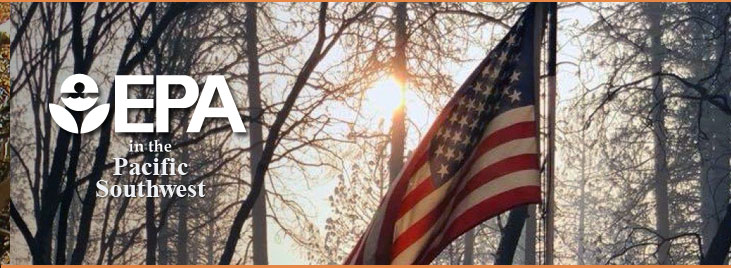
{"x": 335, "y": 96}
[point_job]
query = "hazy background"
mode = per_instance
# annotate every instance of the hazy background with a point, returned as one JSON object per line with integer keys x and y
{"x": 642, "y": 144}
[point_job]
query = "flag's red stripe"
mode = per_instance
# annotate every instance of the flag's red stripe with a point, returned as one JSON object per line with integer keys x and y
{"x": 417, "y": 230}
{"x": 417, "y": 194}
{"x": 491, "y": 207}
{"x": 513, "y": 132}
{"x": 484, "y": 210}
{"x": 497, "y": 170}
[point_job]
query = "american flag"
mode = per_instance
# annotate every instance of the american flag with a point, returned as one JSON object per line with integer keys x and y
{"x": 479, "y": 158}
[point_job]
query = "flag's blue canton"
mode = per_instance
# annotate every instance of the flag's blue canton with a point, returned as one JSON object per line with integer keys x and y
{"x": 505, "y": 81}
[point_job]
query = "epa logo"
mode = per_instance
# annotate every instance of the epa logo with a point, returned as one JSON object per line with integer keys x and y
{"x": 76, "y": 86}
{"x": 79, "y": 85}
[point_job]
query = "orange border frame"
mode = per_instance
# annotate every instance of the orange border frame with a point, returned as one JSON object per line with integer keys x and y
{"x": 366, "y": 266}
{"x": 233, "y": 1}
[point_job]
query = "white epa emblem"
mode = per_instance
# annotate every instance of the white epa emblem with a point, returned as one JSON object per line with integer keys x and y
{"x": 65, "y": 119}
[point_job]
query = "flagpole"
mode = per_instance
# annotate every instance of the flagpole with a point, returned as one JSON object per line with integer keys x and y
{"x": 550, "y": 155}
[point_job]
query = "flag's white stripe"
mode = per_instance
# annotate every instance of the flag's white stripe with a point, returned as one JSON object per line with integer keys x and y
{"x": 495, "y": 187}
{"x": 408, "y": 255}
{"x": 509, "y": 118}
{"x": 423, "y": 207}
{"x": 418, "y": 177}
{"x": 503, "y": 151}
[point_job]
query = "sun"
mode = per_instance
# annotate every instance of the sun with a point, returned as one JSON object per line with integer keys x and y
{"x": 384, "y": 97}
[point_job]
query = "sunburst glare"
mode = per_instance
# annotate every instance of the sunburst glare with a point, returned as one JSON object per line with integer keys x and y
{"x": 384, "y": 97}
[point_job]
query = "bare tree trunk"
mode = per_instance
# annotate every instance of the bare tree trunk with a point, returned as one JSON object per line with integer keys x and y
{"x": 718, "y": 250}
{"x": 71, "y": 235}
{"x": 181, "y": 242}
{"x": 530, "y": 236}
{"x": 163, "y": 232}
{"x": 210, "y": 239}
{"x": 511, "y": 235}
{"x": 151, "y": 229}
{"x": 259, "y": 213}
{"x": 662, "y": 173}
{"x": 67, "y": 198}
{"x": 714, "y": 147}
{"x": 398, "y": 121}
{"x": 469, "y": 247}
{"x": 51, "y": 183}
